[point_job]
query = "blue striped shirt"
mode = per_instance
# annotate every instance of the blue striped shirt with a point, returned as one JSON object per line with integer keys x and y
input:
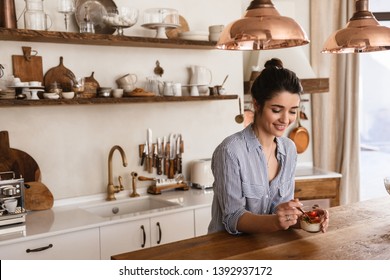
{"x": 241, "y": 179}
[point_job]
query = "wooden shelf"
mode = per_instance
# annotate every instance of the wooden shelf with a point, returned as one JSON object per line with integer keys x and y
{"x": 7, "y": 34}
{"x": 109, "y": 100}
{"x": 310, "y": 86}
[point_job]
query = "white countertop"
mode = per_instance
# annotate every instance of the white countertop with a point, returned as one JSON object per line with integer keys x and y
{"x": 309, "y": 172}
{"x": 68, "y": 217}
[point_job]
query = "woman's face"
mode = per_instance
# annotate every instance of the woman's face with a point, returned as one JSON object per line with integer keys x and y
{"x": 278, "y": 113}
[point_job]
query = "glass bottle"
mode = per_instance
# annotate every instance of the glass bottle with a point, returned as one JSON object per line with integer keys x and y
{"x": 34, "y": 16}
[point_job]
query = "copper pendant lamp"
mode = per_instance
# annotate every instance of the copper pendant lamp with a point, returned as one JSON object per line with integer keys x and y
{"x": 363, "y": 33}
{"x": 262, "y": 28}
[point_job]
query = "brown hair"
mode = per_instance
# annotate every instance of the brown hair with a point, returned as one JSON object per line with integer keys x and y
{"x": 274, "y": 79}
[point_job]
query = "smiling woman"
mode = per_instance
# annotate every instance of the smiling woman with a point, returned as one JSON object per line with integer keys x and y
{"x": 254, "y": 169}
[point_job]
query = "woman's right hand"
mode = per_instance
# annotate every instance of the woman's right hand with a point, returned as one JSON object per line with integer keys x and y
{"x": 288, "y": 214}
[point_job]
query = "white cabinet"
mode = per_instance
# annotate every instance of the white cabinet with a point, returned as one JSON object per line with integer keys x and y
{"x": 124, "y": 237}
{"x": 144, "y": 233}
{"x": 77, "y": 245}
{"x": 171, "y": 228}
{"x": 202, "y": 220}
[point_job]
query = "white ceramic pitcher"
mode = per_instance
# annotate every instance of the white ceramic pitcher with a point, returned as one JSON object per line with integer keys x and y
{"x": 200, "y": 75}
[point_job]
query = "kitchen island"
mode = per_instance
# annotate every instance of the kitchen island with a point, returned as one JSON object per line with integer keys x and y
{"x": 358, "y": 231}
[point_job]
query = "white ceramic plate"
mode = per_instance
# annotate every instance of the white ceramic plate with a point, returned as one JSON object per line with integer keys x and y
{"x": 194, "y": 35}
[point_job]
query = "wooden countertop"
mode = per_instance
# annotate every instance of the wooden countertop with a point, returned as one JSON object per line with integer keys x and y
{"x": 359, "y": 231}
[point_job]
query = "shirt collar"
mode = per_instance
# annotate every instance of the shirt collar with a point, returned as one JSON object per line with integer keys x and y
{"x": 252, "y": 143}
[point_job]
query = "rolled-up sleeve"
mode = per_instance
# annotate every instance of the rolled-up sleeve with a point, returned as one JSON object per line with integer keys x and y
{"x": 227, "y": 188}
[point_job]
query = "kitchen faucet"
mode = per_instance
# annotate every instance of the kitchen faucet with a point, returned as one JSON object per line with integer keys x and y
{"x": 111, "y": 189}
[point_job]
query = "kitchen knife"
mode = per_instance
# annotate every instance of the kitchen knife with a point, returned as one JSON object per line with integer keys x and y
{"x": 178, "y": 154}
{"x": 172, "y": 154}
{"x": 154, "y": 155}
{"x": 150, "y": 148}
{"x": 165, "y": 154}
{"x": 146, "y": 167}
{"x": 159, "y": 156}
{"x": 143, "y": 155}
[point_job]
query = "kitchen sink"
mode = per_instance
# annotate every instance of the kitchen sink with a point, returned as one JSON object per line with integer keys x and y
{"x": 130, "y": 207}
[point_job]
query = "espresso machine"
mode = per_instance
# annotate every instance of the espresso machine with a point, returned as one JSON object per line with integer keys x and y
{"x": 11, "y": 189}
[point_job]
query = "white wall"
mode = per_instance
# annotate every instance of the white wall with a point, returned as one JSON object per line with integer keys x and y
{"x": 71, "y": 143}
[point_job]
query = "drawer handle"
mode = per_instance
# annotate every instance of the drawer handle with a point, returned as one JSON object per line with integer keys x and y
{"x": 298, "y": 190}
{"x": 39, "y": 249}
{"x": 159, "y": 233}
{"x": 143, "y": 236}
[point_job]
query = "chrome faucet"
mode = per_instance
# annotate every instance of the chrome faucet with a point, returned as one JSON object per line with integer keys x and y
{"x": 111, "y": 189}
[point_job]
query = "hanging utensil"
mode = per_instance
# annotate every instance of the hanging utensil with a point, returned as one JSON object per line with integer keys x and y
{"x": 227, "y": 76}
{"x": 300, "y": 136}
{"x": 239, "y": 118}
{"x": 302, "y": 113}
{"x": 158, "y": 70}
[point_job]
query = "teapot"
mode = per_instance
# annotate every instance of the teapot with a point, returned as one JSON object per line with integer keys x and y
{"x": 200, "y": 75}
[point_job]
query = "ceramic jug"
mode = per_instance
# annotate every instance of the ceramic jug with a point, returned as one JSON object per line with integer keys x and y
{"x": 168, "y": 89}
{"x": 200, "y": 75}
{"x": 34, "y": 17}
{"x": 154, "y": 85}
{"x": 127, "y": 82}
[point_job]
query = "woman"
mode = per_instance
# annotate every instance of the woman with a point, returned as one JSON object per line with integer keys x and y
{"x": 254, "y": 169}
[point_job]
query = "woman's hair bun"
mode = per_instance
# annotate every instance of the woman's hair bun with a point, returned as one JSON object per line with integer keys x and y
{"x": 274, "y": 62}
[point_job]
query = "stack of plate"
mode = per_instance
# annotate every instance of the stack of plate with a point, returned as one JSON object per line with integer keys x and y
{"x": 7, "y": 94}
{"x": 194, "y": 35}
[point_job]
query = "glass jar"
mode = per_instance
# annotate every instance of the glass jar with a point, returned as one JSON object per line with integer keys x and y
{"x": 34, "y": 17}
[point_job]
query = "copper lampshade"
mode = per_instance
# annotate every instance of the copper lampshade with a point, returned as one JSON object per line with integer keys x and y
{"x": 362, "y": 34}
{"x": 262, "y": 28}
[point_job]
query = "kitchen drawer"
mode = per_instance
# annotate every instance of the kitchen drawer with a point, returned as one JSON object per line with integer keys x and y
{"x": 70, "y": 246}
{"x": 324, "y": 188}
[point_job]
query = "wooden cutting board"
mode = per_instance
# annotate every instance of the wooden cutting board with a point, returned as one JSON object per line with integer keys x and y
{"x": 61, "y": 75}
{"x": 37, "y": 196}
{"x": 26, "y": 67}
{"x": 17, "y": 161}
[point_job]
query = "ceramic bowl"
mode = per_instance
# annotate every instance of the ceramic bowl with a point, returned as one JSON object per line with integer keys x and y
{"x": 67, "y": 95}
{"x": 104, "y": 92}
{"x": 51, "y": 95}
{"x": 117, "y": 93}
{"x": 312, "y": 223}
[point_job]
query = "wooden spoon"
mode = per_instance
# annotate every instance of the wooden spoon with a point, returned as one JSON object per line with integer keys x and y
{"x": 239, "y": 118}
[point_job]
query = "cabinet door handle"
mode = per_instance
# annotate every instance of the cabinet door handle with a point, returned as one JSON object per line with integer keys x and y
{"x": 159, "y": 233}
{"x": 39, "y": 249}
{"x": 144, "y": 236}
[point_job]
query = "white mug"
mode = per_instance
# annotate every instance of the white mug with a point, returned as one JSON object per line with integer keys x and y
{"x": 168, "y": 89}
{"x": 177, "y": 89}
{"x": 10, "y": 205}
